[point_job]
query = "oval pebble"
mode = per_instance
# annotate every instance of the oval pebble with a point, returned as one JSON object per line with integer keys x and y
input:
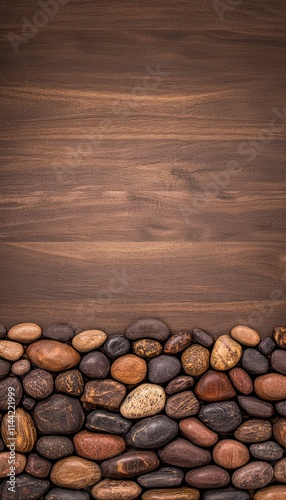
{"x": 95, "y": 365}
{"x": 16, "y": 392}
{"x": 202, "y": 337}
{"x": 271, "y": 387}
{"x": 104, "y": 421}
{"x": 245, "y": 335}
{"x": 163, "y": 368}
{"x": 5, "y": 368}
{"x": 25, "y": 332}
{"x": 172, "y": 494}
{"x": 255, "y": 407}
{"x": 130, "y": 464}
{"x": 271, "y": 493}
{"x": 75, "y": 473}
{"x": 19, "y": 464}
{"x": 147, "y": 348}
{"x": 10, "y": 350}
{"x": 55, "y": 447}
{"x": 254, "y": 431}
{"x": 178, "y": 343}
{"x": 59, "y": 332}
{"x": 179, "y": 384}
{"x": 144, "y": 401}
{"x": 182, "y": 405}
{"x": 226, "y": 494}
{"x": 230, "y": 454}
{"x": 110, "y": 489}
{"x": 52, "y": 355}
{"x": 197, "y": 432}
{"x": 195, "y": 360}
{"x": 241, "y": 380}
{"x": 21, "y": 367}
{"x": 254, "y": 362}
{"x": 267, "y": 450}
{"x": 26, "y": 486}
{"x": 281, "y": 408}
{"x": 25, "y": 435}
{"x": 210, "y": 476}
{"x": 95, "y": 446}
{"x": 221, "y": 417}
{"x": 59, "y": 414}
{"x": 182, "y": 453}
{"x": 226, "y": 353}
{"x": 279, "y": 431}
{"x": 152, "y": 432}
{"x": 129, "y": 369}
{"x": 88, "y": 340}
{"x": 38, "y": 384}
{"x": 66, "y": 494}
{"x": 253, "y": 476}
{"x": 116, "y": 346}
{"x": 162, "y": 478}
{"x": 278, "y": 361}
{"x": 107, "y": 394}
{"x": 280, "y": 471}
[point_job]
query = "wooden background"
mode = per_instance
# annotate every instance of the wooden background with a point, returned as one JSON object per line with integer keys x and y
{"x": 143, "y": 164}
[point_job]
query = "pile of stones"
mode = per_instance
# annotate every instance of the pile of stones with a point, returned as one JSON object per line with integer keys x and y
{"x": 146, "y": 414}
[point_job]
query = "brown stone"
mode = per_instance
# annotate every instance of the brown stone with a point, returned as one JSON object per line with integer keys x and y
{"x": 130, "y": 464}
{"x": 26, "y": 487}
{"x": 38, "y": 384}
{"x": 241, "y": 380}
{"x": 147, "y": 348}
{"x": 10, "y": 350}
{"x": 271, "y": 386}
{"x": 226, "y": 353}
{"x": 182, "y": 405}
{"x": 129, "y": 369}
{"x": 52, "y": 355}
{"x": 55, "y": 447}
{"x": 178, "y": 343}
{"x": 280, "y": 336}
{"x": 5, "y": 368}
{"x": 59, "y": 414}
{"x": 171, "y": 494}
{"x": 230, "y": 454}
{"x": 95, "y": 365}
{"x": 149, "y": 328}
{"x": 202, "y": 337}
{"x": 253, "y": 476}
{"x": 95, "y": 446}
{"x": 280, "y": 471}
{"x": 278, "y": 361}
{"x": 20, "y": 462}
{"x": 144, "y": 401}
{"x": 75, "y": 473}
{"x": 245, "y": 335}
{"x": 279, "y": 431}
{"x": 271, "y": 493}
{"x": 38, "y": 466}
{"x": 88, "y": 340}
{"x": 70, "y": 382}
{"x": 179, "y": 384}
{"x": 182, "y": 453}
{"x": 255, "y": 407}
{"x": 21, "y": 367}
{"x": 25, "y": 434}
{"x": 197, "y": 432}
{"x": 210, "y": 476}
{"x": 214, "y": 386}
{"x": 106, "y": 394}
{"x": 163, "y": 368}
{"x": 195, "y": 360}
{"x": 25, "y": 333}
{"x": 254, "y": 431}
{"x": 10, "y": 392}
{"x": 111, "y": 489}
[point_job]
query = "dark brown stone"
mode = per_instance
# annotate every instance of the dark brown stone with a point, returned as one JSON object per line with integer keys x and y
{"x": 178, "y": 342}
{"x": 152, "y": 432}
{"x": 3, "y": 331}
{"x": 254, "y": 362}
{"x": 255, "y": 407}
{"x": 147, "y": 348}
{"x": 95, "y": 446}
{"x": 116, "y": 346}
{"x": 149, "y": 328}
{"x": 58, "y": 332}
{"x": 14, "y": 395}
{"x": 280, "y": 336}
{"x": 241, "y": 380}
{"x": 182, "y": 405}
{"x": 95, "y": 365}
{"x": 182, "y": 453}
{"x": 226, "y": 494}
{"x": 21, "y": 367}
{"x": 38, "y": 384}
{"x": 107, "y": 394}
{"x": 268, "y": 451}
{"x": 28, "y": 403}
{"x": 197, "y": 432}
{"x": 214, "y": 386}
{"x": 59, "y": 414}
{"x": 279, "y": 431}
{"x": 171, "y": 494}
{"x": 221, "y": 417}
{"x": 70, "y": 382}
{"x": 26, "y": 487}
{"x": 179, "y": 384}
{"x": 55, "y": 447}
{"x": 163, "y": 368}
{"x": 203, "y": 338}
{"x": 266, "y": 346}
{"x": 253, "y": 476}
{"x": 254, "y": 431}
{"x": 5, "y": 368}
{"x": 162, "y": 478}
{"x": 210, "y": 476}
{"x": 66, "y": 494}
{"x": 104, "y": 421}
{"x": 38, "y": 466}
{"x": 195, "y": 360}
{"x": 281, "y": 408}
{"x": 278, "y": 361}
{"x": 130, "y": 464}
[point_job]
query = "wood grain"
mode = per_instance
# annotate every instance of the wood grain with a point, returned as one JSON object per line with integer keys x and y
{"x": 143, "y": 169}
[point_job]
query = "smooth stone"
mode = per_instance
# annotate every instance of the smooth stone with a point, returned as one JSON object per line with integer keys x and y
{"x": 149, "y": 328}
{"x": 271, "y": 493}
{"x": 152, "y": 432}
{"x": 130, "y": 464}
{"x": 241, "y": 380}
{"x": 28, "y": 403}
{"x": 226, "y": 494}
{"x": 38, "y": 384}
{"x": 58, "y": 332}
{"x": 55, "y": 447}
{"x": 66, "y": 494}
{"x": 2, "y": 445}
{"x": 116, "y": 346}
{"x": 26, "y": 487}
{"x": 266, "y": 346}
{"x": 255, "y": 407}
{"x": 52, "y": 355}
{"x": 95, "y": 446}
{"x": 279, "y": 431}
{"x": 75, "y": 473}
{"x": 178, "y": 343}
{"x": 5, "y": 368}
{"x": 95, "y": 365}
{"x": 21, "y": 367}
{"x": 226, "y": 353}
{"x": 254, "y": 431}
{"x": 38, "y": 466}
{"x": 280, "y": 471}
{"x": 245, "y": 335}
{"x": 254, "y": 362}
{"x": 182, "y": 453}
{"x": 163, "y": 369}
{"x": 25, "y": 333}
{"x": 214, "y": 386}
{"x": 221, "y": 417}
{"x": 162, "y": 478}
{"x": 129, "y": 369}
{"x": 70, "y": 382}
{"x": 197, "y": 432}
{"x": 268, "y": 451}
{"x": 184, "y": 404}
{"x": 107, "y": 394}
{"x": 253, "y": 476}
{"x": 104, "y": 421}
{"x": 271, "y": 386}
{"x": 88, "y": 340}
{"x": 110, "y": 489}
{"x": 230, "y": 454}
{"x": 195, "y": 360}
{"x": 172, "y": 494}
{"x": 59, "y": 414}
{"x": 3, "y": 331}
{"x": 278, "y": 361}
{"x": 25, "y": 436}
{"x": 19, "y": 465}
{"x": 16, "y": 393}
{"x": 202, "y": 338}
{"x": 281, "y": 408}
{"x": 11, "y": 351}
{"x": 280, "y": 336}
{"x": 144, "y": 401}
{"x": 179, "y": 384}
{"x": 210, "y": 476}
{"x": 147, "y": 348}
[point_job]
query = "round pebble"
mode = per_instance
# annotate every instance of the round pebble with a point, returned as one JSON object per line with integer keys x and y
{"x": 226, "y": 353}
{"x": 88, "y": 340}
{"x": 230, "y": 454}
{"x": 195, "y": 360}
{"x": 95, "y": 365}
{"x": 253, "y": 476}
{"x": 116, "y": 346}
{"x": 129, "y": 369}
{"x": 214, "y": 386}
{"x": 163, "y": 368}
{"x": 254, "y": 362}
{"x": 245, "y": 335}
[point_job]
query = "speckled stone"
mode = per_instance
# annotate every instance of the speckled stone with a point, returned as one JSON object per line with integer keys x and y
{"x": 27, "y": 487}
{"x": 116, "y": 346}
{"x": 226, "y": 353}
{"x": 55, "y": 447}
{"x": 178, "y": 342}
{"x": 162, "y": 478}
{"x": 163, "y": 368}
{"x": 147, "y": 348}
{"x": 70, "y": 382}
{"x": 253, "y": 476}
{"x": 268, "y": 451}
{"x": 149, "y": 328}
{"x": 184, "y": 404}
{"x": 182, "y": 453}
{"x": 152, "y": 432}
{"x": 221, "y": 417}
{"x": 144, "y": 401}
{"x": 179, "y": 384}
{"x": 195, "y": 360}
{"x": 280, "y": 336}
